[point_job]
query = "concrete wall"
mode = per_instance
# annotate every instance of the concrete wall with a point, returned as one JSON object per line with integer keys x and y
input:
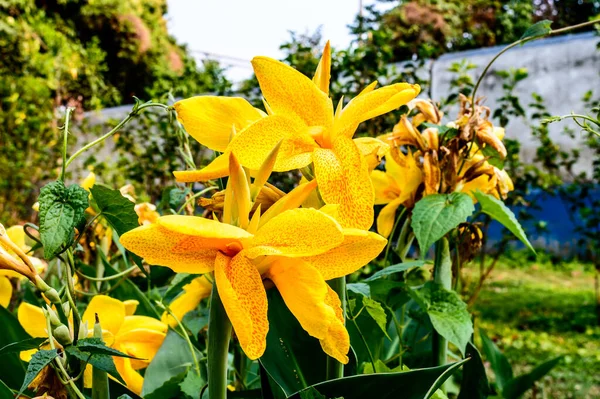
{"x": 561, "y": 70}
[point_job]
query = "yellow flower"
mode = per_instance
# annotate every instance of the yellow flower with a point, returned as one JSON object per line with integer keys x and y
{"x": 194, "y": 292}
{"x": 146, "y": 213}
{"x": 11, "y": 264}
{"x": 297, "y": 249}
{"x": 88, "y": 181}
{"x": 394, "y": 187}
{"x": 137, "y": 336}
{"x": 301, "y": 117}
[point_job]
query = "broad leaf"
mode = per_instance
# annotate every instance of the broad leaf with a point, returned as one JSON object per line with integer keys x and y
{"x": 376, "y": 311}
{"x": 541, "y": 28}
{"x": 474, "y": 384}
{"x": 521, "y": 384}
{"x": 99, "y": 361}
{"x": 62, "y": 209}
{"x": 96, "y": 346}
{"x": 115, "y": 208}
{"x": 27, "y": 344}
{"x": 192, "y": 383}
{"x": 39, "y": 360}
{"x": 13, "y": 369}
{"x": 437, "y": 214}
{"x": 413, "y": 384}
{"x": 493, "y": 156}
{"x": 496, "y": 209}
{"x": 359, "y": 288}
{"x": 500, "y": 365}
{"x": 293, "y": 359}
{"x": 398, "y": 268}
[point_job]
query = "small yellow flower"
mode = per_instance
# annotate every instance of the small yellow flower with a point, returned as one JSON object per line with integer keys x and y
{"x": 300, "y": 116}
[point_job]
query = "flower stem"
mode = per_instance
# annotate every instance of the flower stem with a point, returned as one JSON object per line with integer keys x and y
{"x": 442, "y": 275}
{"x": 65, "y": 141}
{"x": 219, "y": 334}
{"x": 335, "y": 369}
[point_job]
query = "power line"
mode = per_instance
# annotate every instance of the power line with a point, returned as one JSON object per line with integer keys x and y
{"x": 226, "y": 59}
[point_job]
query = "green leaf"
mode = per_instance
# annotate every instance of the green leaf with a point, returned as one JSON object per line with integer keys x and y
{"x": 192, "y": 383}
{"x": 413, "y": 384}
{"x": 445, "y": 131}
{"x": 99, "y": 361}
{"x": 5, "y": 391}
{"x": 376, "y": 311}
{"x": 13, "y": 369}
{"x": 541, "y": 28}
{"x": 448, "y": 314}
{"x": 61, "y": 210}
{"x": 27, "y": 344}
{"x": 496, "y": 209}
{"x": 474, "y": 384}
{"x": 169, "y": 366}
{"x": 293, "y": 359}
{"x": 115, "y": 208}
{"x": 359, "y": 288}
{"x": 437, "y": 214}
{"x": 500, "y": 365}
{"x": 521, "y": 384}
{"x": 96, "y": 346}
{"x": 493, "y": 156}
{"x": 311, "y": 393}
{"x": 398, "y": 268}
{"x": 39, "y": 360}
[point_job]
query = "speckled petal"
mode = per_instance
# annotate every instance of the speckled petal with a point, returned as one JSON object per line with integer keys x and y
{"x": 337, "y": 341}
{"x": 290, "y": 92}
{"x": 243, "y": 295}
{"x": 294, "y": 233}
{"x": 210, "y": 119}
{"x": 359, "y": 248}
{"x": 219, "y": 167}
{"x": 343, "y": 178}
{"x": 254, "y": 144}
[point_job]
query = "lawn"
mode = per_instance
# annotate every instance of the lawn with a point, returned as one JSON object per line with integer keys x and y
{"x": 538, "y": 312}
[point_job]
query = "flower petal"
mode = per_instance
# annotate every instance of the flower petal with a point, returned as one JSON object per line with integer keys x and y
{"x": 372, "y": 104}
{"x": 130, "y": 306}
{"x": 6, "y": 290}
{"x": 141, "y": 343}
{"x": 243, "y": 295}
{"x": 387, "y": 217}
{"x": 384, "y": 186}
{"x": 198, "y": 289}
{"x": 343, "y": 178}
{"x": 111, "y": 313}
{"x": 304, "y": 292}
{"x": 131, "y": 377}
{"x": 290, "y": 92}
{"x": 181, "y": 252}
{"x": 32, "y": 320}
{"x": 17, "y": 235}
{"x": 323, "y": 72}
{"x": 337, "y": 341}
{"x": 358, "y": 249}
{"x": 210, "y": 119}
{"x": 254, "y": 144}
{"x": 294, "y": 233}
{"x": 219, "y": 167}
{"x": 372, "y": 149}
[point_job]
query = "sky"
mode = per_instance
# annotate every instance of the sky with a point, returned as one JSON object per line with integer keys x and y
{"x": 243, "y": 29}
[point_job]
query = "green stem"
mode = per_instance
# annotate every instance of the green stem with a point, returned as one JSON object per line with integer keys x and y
{"x": 65, "y": 141}
{"x": 362, "y": 337}
{"x": 71, "y": 293}
{"x": 335, "y": 369}
{"x": 100, "y": 388}
{"x": 184, "y": 335}
{"x": 99, "y": 140}
{"x": 442, "y": 275}
{"x": 389, "y": 244}
{"x": 108, "y": 278}
{"x": 219, "y": 334}
{"x": 193, "y": 197}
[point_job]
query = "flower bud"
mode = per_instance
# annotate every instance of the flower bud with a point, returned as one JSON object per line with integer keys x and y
{"x": 62, "y": 335}
{"x": 66, "y": 307}
{"x": 53, "y": 317}
{"x": 83, "y": 330}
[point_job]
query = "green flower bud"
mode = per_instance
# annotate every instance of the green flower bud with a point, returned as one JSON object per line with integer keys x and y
{"x": 63, "y": 335}
{"x": 51, "y": 314}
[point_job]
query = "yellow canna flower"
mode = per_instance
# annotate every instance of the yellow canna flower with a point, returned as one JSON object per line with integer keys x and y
{"x": 297, "y": 249}
{"x": 194, "y": 292}
{"x": 301, "y": 116}
{"x": 394, "y": 187}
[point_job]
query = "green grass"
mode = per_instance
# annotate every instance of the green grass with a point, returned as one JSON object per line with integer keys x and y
{"x": 534, "y": 313}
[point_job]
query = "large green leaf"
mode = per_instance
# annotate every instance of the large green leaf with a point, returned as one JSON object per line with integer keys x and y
{"x": 398, "y": 268}
{"x": 375, "y": 310}
{"x": 413, "y": 384}
{"x": 496, "y": 209}
{"x": 99, "y": 361}
{"x": 115, "y": 208}
{"x": 61, "y": 210}
{"x": 437, "y": 214}
{"x": 13, "y": 369}
{"x": 293, "y": 359}
{"x": 169, "y": 367}
{"x": 521, "y": 384}
{"x": 474, "y": 384}
{"x": 448, "y": 314}
{"x": 96, "y": 346}
{"x": 27, "y": 344}
{"x": 39, "y": 360}
{"x": 500, "y": 365}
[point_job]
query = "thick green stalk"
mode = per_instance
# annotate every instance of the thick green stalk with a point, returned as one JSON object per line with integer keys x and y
{"x": 100, "y": 388}
{"x": 335, "y": 369}
{"x": 219, "y": 334}
{"x": 442, "y": 275}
